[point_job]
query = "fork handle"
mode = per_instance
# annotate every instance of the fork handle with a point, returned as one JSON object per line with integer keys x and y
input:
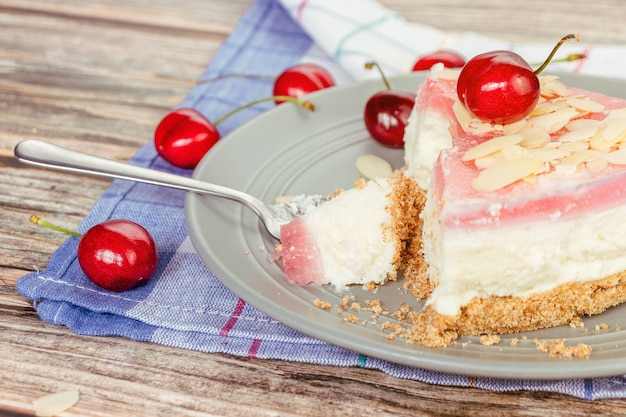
{"x": 40, "y": 153}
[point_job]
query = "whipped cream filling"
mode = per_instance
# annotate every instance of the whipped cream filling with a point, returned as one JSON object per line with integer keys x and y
{"x": 426, "y": 135}
{"x": 355, "y": 237}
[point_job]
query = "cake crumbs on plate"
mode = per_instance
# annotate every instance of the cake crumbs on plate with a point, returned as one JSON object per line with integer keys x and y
{"x": 324, "y": 305}
{"x": 559, "y": 348}
{"x": 601, "y": 326}
{"x": 489, "y": 339}
{"x": 351, "y": 318}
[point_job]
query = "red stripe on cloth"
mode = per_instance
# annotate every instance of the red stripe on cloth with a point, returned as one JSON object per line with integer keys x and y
{"x": 233, "y": 318}
{"x": 581, "y": 62}
{"x": 254, "y": 348}
{"x": 301, "y": 7}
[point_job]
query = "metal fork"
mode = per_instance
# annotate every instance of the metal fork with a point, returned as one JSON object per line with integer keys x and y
{"x": 273, "y": 216}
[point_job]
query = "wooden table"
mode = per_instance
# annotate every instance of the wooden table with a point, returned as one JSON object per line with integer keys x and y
{"x": 75, "y": 72}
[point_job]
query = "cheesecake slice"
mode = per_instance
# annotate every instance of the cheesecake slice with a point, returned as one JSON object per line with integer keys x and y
{"x": 497, "y": 228}
{"x": 356, "y": 238}
{"x": 523, "y": 225}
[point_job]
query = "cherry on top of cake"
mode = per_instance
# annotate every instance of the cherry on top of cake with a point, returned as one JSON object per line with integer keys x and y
{"x": 568, "y": 154}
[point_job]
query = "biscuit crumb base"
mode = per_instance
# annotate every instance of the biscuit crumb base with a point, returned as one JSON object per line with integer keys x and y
{"x": 501, "y": 315}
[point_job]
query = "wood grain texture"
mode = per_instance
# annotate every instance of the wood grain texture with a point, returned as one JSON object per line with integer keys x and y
{"x": 97, "y": 76}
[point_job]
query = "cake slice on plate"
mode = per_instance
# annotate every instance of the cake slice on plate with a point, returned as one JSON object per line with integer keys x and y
{"x": 523, "y": 223}
{"x": 500, "y": 228}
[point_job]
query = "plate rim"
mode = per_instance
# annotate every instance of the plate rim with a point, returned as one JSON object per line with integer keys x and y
{"x": 431, "y": 359}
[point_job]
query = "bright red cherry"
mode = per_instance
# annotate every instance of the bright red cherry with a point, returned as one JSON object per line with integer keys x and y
{"x": 500, "y": 86}
{"x": 302, "y": 79}
{"x": 386, "y": 116}
{"x": 117, "y": 255}
{"x": 449, "y": 59}
{"x": 184, "y": 136}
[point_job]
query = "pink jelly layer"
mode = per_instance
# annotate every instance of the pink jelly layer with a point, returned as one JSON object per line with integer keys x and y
{"x": 302, "y": 262}
{"x": 462, "y": 206}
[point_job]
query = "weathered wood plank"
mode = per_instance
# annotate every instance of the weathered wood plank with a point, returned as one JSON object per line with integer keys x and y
{"x": 97, "y": 76}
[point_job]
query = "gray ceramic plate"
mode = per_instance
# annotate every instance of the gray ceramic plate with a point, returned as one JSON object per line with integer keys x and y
{"x": 289, "y": 151}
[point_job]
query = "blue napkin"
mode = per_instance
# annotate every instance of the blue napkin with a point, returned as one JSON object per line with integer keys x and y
{"x": 185, "y": 305}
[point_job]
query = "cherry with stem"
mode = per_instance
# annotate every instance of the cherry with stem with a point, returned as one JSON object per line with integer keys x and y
{"x": 185, "y": 135}
{"x": 386, "y": 113}
{"x": 116, "y": 255}
{"x": 500, "y": 86}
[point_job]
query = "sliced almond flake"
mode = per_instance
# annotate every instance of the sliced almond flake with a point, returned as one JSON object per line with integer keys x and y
{"x": 545, "y": 108}
{"x": 552, "y": 145}
{"x": 492, "y": 145}
{"x": 583, "y": 133}
{"x": 553, "y": 122}
{"x": 513, "y": 128}
{"x": 616, "y": 157}
{"x": 616, "y": 114}
{"x": 463, "y": 116}
{"x": 530, "y": 129}
{"x": 531, "y": 179}
{"x": 481, "y": 128}
{"x": 615, "y": 130}
{"x": 373, "y": 166}
{"x": 582, "y": 123}
{"x": 599, "y": 143}
{"x": 554, "y": 87}
{"x": 582, "y": 156}
{"x": 533, "y": 141}
{"x": 585, "y": 104}
{"x": 574, "y": 146}
{"x": 549, "y": 155}
{"x": 514, "y": 152}
{"x": 505, "y": 173}
{"x": 487, "y": 161}
{"x": 53, "y": 404}
{"x": 596, "y": 165}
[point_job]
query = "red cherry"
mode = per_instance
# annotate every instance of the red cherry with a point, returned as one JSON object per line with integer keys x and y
{"x": 184, "y": 136}
{"x": 498, "y": 87}
{"x": 117, "y": 255}
{"x": 386, "y": 113}
{"x": 386, "y": 116}
{"x": 449, "y": 59}
{"x": 302, "y": 79}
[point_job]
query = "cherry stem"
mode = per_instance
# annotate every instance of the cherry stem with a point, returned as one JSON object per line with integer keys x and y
{"x": 304, "y": 103}
{"x": 226, "y": 76}
{"x": 41, "y": 222}
{"x": 370, "y": 65}
{"x": 569, "y": 58}
{"x": 556, "y": 48}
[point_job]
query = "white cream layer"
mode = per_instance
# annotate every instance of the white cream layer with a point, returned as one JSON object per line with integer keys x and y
{"x": 353, "y": 232}
{"x": 426, "y": 134}
{"x": 520, "y": 259}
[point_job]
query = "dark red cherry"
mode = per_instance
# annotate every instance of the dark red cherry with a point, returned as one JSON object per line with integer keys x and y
{"x": 386, "y": 116}
{"x": 386, "y": 113}
{"x": 184, "y": 136}
{"x": 302, "y": 79}
{"x": 117, "y": 255}
{"x": 449, "y": 59}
